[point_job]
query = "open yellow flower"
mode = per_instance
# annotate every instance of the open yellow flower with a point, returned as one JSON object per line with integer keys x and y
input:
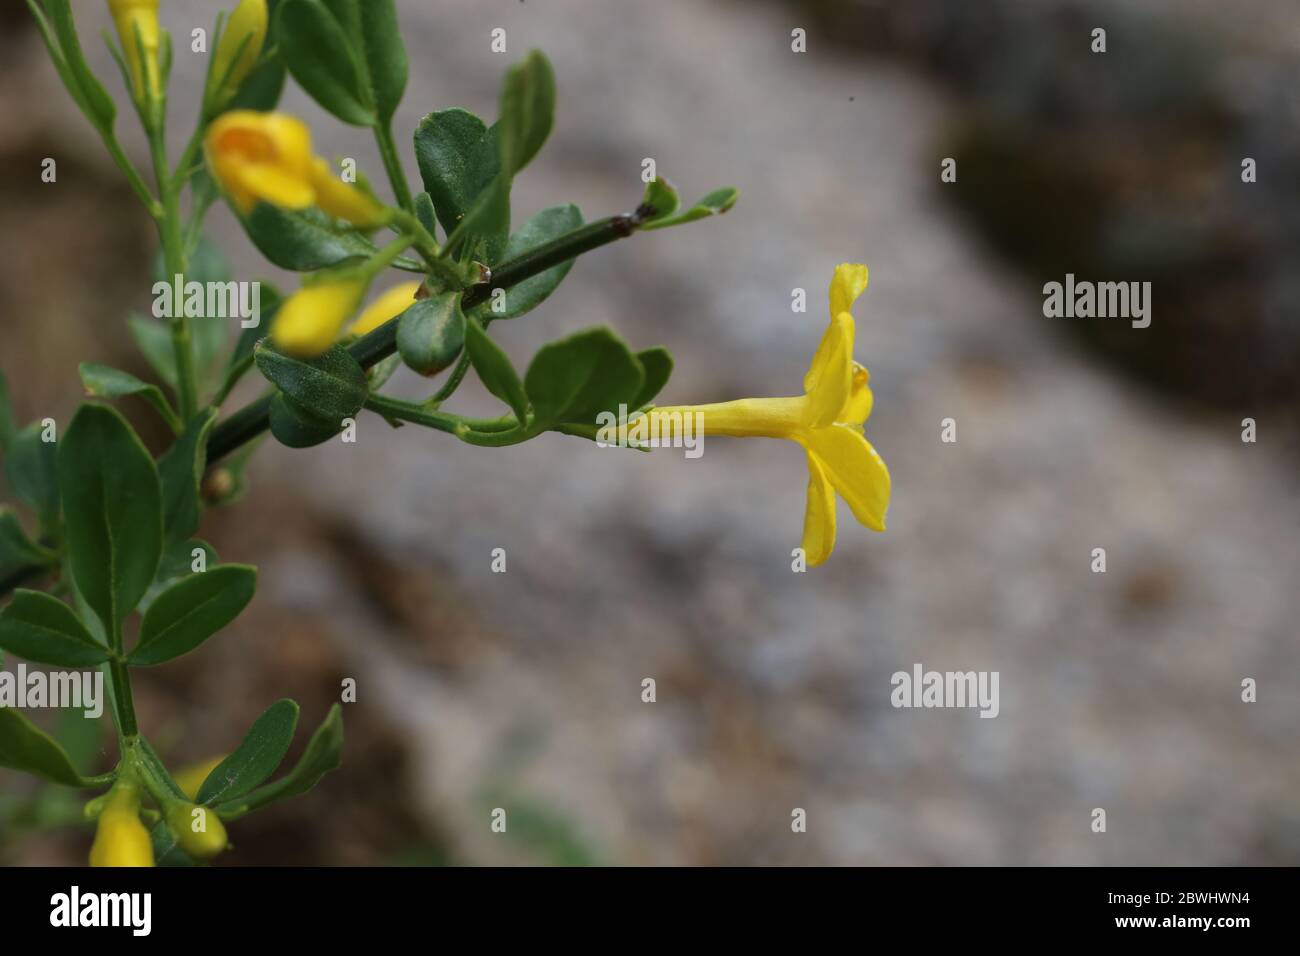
{"x": 827, "y": 421}
{"x": 120, "y": 838}
{"x": 131, "y": 16}
{"x": 389, "y": 305}
{"x": 239, "y": 48}
{"x": 267, "y": 157}
{"x": 309, "y": 321}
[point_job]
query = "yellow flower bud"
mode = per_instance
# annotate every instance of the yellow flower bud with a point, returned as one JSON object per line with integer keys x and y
{"x": 345, "y": 201}
{"x": 190, "y": 778}
{"x": 239, "y": 48}
{"x": 392, "y": 303}
{"x": 132, "y": 16}
{"x": 267, "y": 157}
{"x": 309, "y": 321}
{"x": 120, "y": 838}
{"x": 199, "y": 831}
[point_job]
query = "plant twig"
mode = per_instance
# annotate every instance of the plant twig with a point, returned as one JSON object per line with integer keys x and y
{"x": 253, "y": 419}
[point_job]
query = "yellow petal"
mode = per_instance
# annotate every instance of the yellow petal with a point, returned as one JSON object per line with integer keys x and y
{"x": 345, "y": 201}
{"x": 847, "y": 284}
{"x": 819, "y": 516}
{"x": 309, "y": 320}
{"x": 830, "y": 377}
{"x": 855, "y": 471}
{"x": 389, "y": 305}
{"x": 273, "y": 185}
{"x": 858, "y": 407}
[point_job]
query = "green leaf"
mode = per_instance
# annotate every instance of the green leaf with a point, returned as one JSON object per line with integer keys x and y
{"x": 112, "y": 511}
{"x": 102, "y": 381}
{"x": 18, "y": 553}
{"x": 7, "y": 427}
{"x": 658, "y": 366}
{"x": 527, "y": 110}
{"x": 660, "y": 200}
{"x": 482, "y": 233}
{"x": 715, "y": 203}
{"x": 256, "y": 757}
{"x": 424, "y": 212}
{"x": 177, "y": 563}
{"x": 180, "y": 473}
{"x": 458, "y": 159}
{"x": 303, "y": 240}
{"x": 494, "y": 370}
{"x": 431, "y": 333}
{"x": 154, "y": 341}
{"x": 31, "y": 465}
{"x": 65, "y": 49}
{"x": 384, "y": 55}
{"x": 324, "y": 753}
{"x": 293, "y": 427}
{"x": 547, "y": 225}
{"x": 318, "y": 53}
{"x": 192, "y": 610}
{"x": 44, "y": 630}
{"x": 577, "y": 378}
{"x": 379, "y": 373}
{"x": 24, "y": 746}
{"x": 329, "y": 388}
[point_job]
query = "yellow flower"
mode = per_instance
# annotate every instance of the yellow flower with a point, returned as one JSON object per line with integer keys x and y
{"x": 201, "y": 835}
{"x": 309, "y": 321}
{"x": 190, "y": 778}
{"x": 267, "y": 157}
{"x": 239, "y": 48}
{"x": 139, "y": 15}
{"x": 120, "y": 838}
{"x": 827, "y": 421}
{"x": 389, "y": 305}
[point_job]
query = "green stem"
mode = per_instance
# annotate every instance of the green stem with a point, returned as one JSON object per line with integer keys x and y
{"x": 170, "y": 231}
{"x": 120, "y": 676}
{"x": 463, "y": 428}
{"x": 251, "y": 420}
{"x": 132, "y": 176}
{"x": 393, "y": 165}
{"x": 408, "y": 412}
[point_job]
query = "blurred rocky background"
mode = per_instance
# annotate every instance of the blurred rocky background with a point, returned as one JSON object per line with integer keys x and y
{"x": 522, "y": 690}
